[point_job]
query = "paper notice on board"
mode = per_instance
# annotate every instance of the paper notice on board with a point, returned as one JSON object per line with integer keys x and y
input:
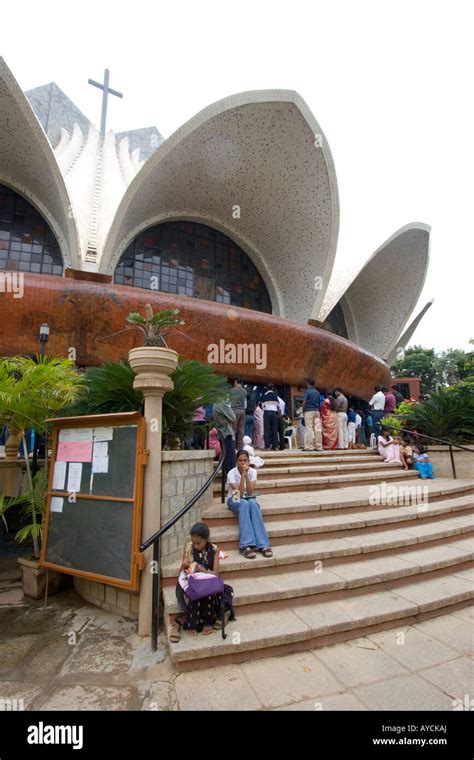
{"x": 74, "y": 477}
{"x": 69, "y": 435}
{"x": 101, "y": 449}
{"x": 100, "y": 464}
{"x": 74, "y": 451}
{"x": 57, "y": 503}
{"x": 103, "y": 434}
{"x": 59, "y": 476}
{"x": 66, "y": 435}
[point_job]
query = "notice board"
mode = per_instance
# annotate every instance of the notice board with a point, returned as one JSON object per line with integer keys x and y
{"x": 94, "y": 504}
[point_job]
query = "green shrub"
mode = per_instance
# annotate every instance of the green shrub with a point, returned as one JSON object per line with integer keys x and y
{"x": 110, "y": 389}
{"x": 448, "y": 414}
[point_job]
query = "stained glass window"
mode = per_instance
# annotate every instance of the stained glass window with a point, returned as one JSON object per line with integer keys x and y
{"x": 27, "y": 243}
{"x": 191, "y": 259}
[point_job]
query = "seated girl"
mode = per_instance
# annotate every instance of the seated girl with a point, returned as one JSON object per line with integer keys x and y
{"x": 406, "y": 449}
{"x": 203, "y": 615}
{"x": 389, "y": 449}
{"x": 253, "y": 535}
{"x": 424, "y": 467}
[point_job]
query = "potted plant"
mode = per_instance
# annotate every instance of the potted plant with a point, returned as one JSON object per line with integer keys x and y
{"x": 31, "y": 391}
{"x": 34, "y": 576}
{"x": 154, "y": 362}
{"x": 155, "y": 326}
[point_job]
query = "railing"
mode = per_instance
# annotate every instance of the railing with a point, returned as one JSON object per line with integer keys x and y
{"x": 416, "y": 434}
{"x": 155, "y": 539}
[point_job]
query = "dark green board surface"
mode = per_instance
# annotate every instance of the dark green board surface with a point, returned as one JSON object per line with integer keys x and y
{"x": 95, "y": 535}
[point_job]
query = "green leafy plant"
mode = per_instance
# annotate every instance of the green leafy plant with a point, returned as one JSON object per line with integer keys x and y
{"x": 109, "y": 388}
{"x": 30, "y": 391}
{"x": 6, "y": 502}
{"x": 394, "y": 424}
{"x": 448, "y": 414}
{"x": 34, "y": 508}
{"x": 155, "y": 326}
{"x": 195, "y": 384}
{"x": 405, "y": 407}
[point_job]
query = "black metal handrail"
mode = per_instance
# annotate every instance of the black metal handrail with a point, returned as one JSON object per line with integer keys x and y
{"x": 155, "y": 539}
{"x": 415, "y": 433}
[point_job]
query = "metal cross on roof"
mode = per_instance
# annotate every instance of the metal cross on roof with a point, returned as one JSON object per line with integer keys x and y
{"x": 106, "y": 91}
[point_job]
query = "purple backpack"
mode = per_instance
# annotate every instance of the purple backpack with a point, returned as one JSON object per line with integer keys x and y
{"x": 201, "y": 585}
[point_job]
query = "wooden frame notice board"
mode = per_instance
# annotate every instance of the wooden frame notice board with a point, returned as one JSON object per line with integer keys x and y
{"x": 94, "y": 501}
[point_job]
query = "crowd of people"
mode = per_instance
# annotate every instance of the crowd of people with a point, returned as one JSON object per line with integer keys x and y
{"x": 322, "y": 421}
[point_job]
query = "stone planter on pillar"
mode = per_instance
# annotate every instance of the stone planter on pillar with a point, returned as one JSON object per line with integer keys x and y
{"x": 152, "y": 367}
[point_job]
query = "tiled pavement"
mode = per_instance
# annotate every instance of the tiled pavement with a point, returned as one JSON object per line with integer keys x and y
{"x": 71, "y": 655}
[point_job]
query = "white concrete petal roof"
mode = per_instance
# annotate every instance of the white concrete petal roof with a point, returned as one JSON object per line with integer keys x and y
{"x": 28, "y": 165}
{"x": 380, "y": 299}
{"x": 260, "y": 151}
{"x": 405, "y": 338}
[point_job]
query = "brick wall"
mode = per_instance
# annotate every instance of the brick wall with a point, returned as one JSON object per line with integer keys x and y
{"x": 182, "y": 475}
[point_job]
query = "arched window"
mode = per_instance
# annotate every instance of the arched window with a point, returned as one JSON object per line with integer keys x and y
{"x": 27, "y": 243}
{"x": 191, "y": 259}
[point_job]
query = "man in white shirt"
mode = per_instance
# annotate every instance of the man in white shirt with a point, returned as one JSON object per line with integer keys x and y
{"x": 377, "y": 405}
{"x": 358, "y": 428}
{"x": 271, "y": 413}
{"x": 281, "y": 423}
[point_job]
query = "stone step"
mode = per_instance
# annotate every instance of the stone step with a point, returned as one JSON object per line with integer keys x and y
{"x": 291, "y": 504}
{"x": 268, "y": 633}
{"x": 339, "y": 576}
{"x": 323, "y": 522}
{"x": 264, "y": 472}
{"x": 293, "y": 554}
{"x": 328, "y": 481}
{"x": 291, "y": 453}
{"x": 293, "y": 463}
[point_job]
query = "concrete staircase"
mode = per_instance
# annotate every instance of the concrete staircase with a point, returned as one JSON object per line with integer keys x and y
{"x": 358, "y": 546}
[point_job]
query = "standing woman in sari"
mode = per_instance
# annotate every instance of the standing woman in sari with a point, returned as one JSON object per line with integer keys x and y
{"x": 329, "y": 421}
{"x": 258, "y": 437}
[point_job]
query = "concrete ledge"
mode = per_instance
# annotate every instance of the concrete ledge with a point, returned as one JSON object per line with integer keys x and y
{"x": 186, "y": 454}
{"x": 110, "y": 598}
{"x": 441, "y": 461}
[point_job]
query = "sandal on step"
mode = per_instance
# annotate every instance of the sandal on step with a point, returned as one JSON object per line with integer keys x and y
{"x": 175, "y": 633}
{"x": 218, "y": 623}
{"x": 248, "y": 552}
{"x": 266, "y": 552}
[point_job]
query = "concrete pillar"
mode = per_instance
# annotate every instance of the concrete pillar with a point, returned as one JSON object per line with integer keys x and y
{"x": 152, "y": 367}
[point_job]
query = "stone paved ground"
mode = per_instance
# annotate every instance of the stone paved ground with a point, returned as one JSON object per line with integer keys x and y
{"x": 71, "y": 655}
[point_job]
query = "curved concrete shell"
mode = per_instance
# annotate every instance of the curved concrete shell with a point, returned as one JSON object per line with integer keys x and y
{"x": 257, "y": 167}
{"x": 407, "y": 335}
{"x": 28, "y": 165}
{"x": 238, "y": 342}
{"x": 380, "y": 299}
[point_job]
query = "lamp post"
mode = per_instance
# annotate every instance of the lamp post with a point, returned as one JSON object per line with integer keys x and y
{"x": 43, "y": 336}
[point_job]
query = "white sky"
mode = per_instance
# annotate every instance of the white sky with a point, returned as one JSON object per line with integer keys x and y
{"x": 391, "y": 84}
